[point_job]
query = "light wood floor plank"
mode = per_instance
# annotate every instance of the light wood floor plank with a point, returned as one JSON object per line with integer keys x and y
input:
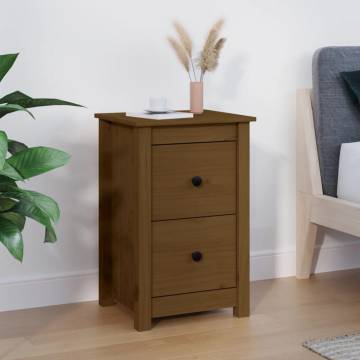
{"x": 285, "y": 312}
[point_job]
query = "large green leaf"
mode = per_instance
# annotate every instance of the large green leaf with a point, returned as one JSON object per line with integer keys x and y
{"x": 10, "y": 236}
{"x": 37, "y": 160}
{"x": 3, "y": 148}
{"x": 36, "y": 213}
{"x": 26, "y": 101}
{"x": 15, "y": 146}
{"x": 38, "y": 206}
{"x": 7, "y": 183}
{"x": 30, "y": 210}
{"x": 6, "y": 62}
{"x": 6, "y": 203}
{"x": 50, "y": 235}
{"x": 10, "y": 172}
{"x": 18, "y": 219}
{"x": 8, "y": 108}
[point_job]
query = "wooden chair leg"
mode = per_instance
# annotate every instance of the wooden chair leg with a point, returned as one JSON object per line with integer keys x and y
{"x": 305, "y": 236}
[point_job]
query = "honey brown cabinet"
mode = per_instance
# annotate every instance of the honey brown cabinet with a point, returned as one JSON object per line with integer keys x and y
{"x": 174, "y": 214}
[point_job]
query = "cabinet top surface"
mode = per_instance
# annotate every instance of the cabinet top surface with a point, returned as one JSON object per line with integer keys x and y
{"x": 207, "y": 117}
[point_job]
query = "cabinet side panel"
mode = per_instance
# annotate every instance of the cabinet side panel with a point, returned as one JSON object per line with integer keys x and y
{"x": 143, "y": 227}
{"x": 106, "y": 296}
{"x": 242, "y": 307}
{"x": 123, "y": 214}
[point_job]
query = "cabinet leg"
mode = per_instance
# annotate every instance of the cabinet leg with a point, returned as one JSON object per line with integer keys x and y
{"x": 106, "y": 297}
{"x": 242, "y": 308}
{"x": 142, "y": 323}
{"x": 105, "y": 285}
{"x": 238, "y": 312}
{"x": 105, "y": 264}
{"x": 105, "y": 215}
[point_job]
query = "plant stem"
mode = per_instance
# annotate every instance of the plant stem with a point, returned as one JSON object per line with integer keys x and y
{"x": 202, "y": 75}
{"x": 193, "y": 69}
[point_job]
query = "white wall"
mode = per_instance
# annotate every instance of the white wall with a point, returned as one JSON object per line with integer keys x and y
{"x": 112, "y": 55}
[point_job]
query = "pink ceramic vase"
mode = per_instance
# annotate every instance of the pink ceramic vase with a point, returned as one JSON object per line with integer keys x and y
{"x": 196, "y": 97}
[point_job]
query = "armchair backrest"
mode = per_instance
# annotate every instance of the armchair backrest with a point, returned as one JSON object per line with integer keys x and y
{"x": 336, "y": 117}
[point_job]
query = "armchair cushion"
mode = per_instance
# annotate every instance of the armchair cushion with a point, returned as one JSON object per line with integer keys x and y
{"x": 336, "y": 117}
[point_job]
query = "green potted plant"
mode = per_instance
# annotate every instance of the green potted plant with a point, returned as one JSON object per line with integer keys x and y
{"x": 18, "y": 163}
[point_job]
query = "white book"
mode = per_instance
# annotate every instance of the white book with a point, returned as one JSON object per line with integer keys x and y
{"x": 166, "y": 116}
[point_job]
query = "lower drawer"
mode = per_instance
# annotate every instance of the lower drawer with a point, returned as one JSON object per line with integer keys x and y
{"x": 192, "y": 255}
{"x": 193, "y": 302}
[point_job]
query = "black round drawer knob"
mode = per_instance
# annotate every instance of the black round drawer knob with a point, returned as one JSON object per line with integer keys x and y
{"x": 196, "y": 181}
{"x": 196, "y": 256}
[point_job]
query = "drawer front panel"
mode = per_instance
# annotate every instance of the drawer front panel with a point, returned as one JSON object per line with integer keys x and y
{"x": 192, "y": 255}
{"x": 193, "y": 302}
{"x": 193, "y": 134}
{"x": 193, "y": 180}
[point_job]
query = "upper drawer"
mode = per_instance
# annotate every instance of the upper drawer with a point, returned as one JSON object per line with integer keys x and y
{"x": 192, "y": 180}
{"x": 193, "y": 134}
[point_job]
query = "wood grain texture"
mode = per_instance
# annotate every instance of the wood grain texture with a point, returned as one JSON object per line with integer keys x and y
{"x": 306, "y": 233}
{"x": 175, "y": 272}
{"x": 337, "y": 214}
{"x": 206, "y": 118}
{"x": 308, "y": 183}
{"x": 123, "y": 200}
{"x": 143, "y": 227}
{"x": 106, "y": 296}
{"x": 126, "y": 219}
{"x": 242, "y": 307}
{"x": 193, "y": 302}
{"x": 308, "y": 178}
{"x": 173, "y": 167}
{"x": 194, "y": 134}
{"x": 285, "y": 312}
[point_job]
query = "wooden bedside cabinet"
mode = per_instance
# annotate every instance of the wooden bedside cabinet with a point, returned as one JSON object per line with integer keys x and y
{"x": 174, "y": 214}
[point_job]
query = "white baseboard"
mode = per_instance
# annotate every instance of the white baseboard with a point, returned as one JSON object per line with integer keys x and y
{"x": 270, "y": 265}
{"x": 45, "y": 291}
{"x": 83, "y": 286}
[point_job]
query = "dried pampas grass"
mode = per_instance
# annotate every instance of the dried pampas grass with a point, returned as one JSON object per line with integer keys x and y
{"x": 212, "y": 36}
{"x": 180, "y": 52}
{"x": 217, "y": 48}
{"x": 209, "y": 56}
{"x": 210, "y": 60}
{"x": 219, "y": 45}
{"x": 184, "y": 38}
{"x": 186, "y": 42}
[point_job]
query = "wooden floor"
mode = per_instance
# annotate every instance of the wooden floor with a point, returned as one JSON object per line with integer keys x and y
{"x": 285, "y": 312}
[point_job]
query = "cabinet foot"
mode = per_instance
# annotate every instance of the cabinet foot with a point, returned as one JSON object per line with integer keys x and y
{"x": 240, "y": 312}
{"x": 107, "y": 302}
{"x": 142, "y": 324}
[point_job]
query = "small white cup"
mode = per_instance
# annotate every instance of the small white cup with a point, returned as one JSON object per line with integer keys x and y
{"x": 158, "y": 104}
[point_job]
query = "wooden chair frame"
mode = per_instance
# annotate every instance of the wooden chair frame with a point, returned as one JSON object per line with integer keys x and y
{"x": 313, "y": 208}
